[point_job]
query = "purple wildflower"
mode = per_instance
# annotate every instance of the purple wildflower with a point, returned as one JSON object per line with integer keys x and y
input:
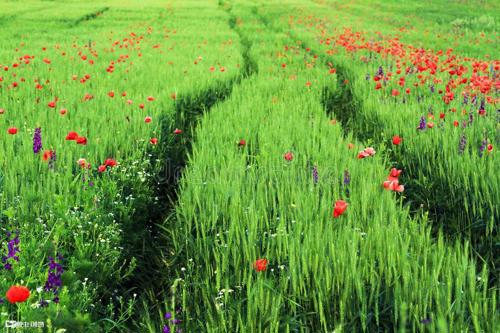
{"x": 422, "y": 123}
{"x": 466, "y": 99}
{"x": 168, "y": 315}
{"x": 315, "y": 174}
{"x": 52, "y": 160}
{"x": 483, "y": 147}
{"x": 12, "y": 249}
{"x": 481, "y": 107}
{"x": 426, "y": 321}
{"x": 432, "y": 88}
{"x": 37, "y": 140}
{"x": 462, "y": 144}
{"x": 380, "y": 71}
{"x": 347, "y": 181}
{"x": 54, "y": 282}
{"x": 166, "y": 329}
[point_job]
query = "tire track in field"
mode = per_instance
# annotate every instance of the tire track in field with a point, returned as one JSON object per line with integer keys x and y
{"x": 151, "y": 249}
{"x": 88, "y": 17}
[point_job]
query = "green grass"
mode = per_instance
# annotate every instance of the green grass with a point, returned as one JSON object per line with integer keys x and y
{"x": 177, "y": 226}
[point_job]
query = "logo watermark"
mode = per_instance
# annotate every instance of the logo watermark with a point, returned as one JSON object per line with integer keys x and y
{"x": 24, "y": 324}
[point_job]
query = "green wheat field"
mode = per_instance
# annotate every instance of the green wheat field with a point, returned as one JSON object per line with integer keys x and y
{"x": 186, "y": 166}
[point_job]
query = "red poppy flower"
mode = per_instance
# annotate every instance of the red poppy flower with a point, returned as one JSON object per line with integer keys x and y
{"x": 17, "y": 294}
{"x": 396, "y": 140}
{"x": 369, "y": 151}
{"x": 378, "y": 86}
{"x": 490, "y": 147}
{"x": 394, "y": 175}
{"x": 173, "y": 96}
{"x": 101, "y": 168}
{"x": 288, "y": 156}
{"x": 393, "y": 186}
{"x": 151, "y": 98}
{"x": 12, "y": 130}
{"x": 81, "y": 140}
{"x": 242, "y": 143}
{"x": 110, "y": 162}
{"x": 430, "y": 124}
{"x": 339, "y": 208}
{"x": 111, "y": 94}
{"x": 72, "y": 136}
{"x": 395, "y": 92}
{"x": 82, "y": 162}
{"x": 47, "y": 154}
{"x": 455, "y": 123}
{"x": 148, "y": 119}
{"x": 52, "y": 104}
{"x": 362, "y": 154}
{"x": 260, "y": 265}
{"x": 63, "y": 112}
{"x": 177, "y": 131}
{"x": 153, "y": 141}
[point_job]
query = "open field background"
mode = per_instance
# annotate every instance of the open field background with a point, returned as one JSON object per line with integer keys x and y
{"x": 250, "y": 166}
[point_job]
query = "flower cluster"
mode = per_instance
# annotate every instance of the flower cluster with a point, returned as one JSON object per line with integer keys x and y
{"x": 12, "y": 250}
{"x": 54, "y": 282}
